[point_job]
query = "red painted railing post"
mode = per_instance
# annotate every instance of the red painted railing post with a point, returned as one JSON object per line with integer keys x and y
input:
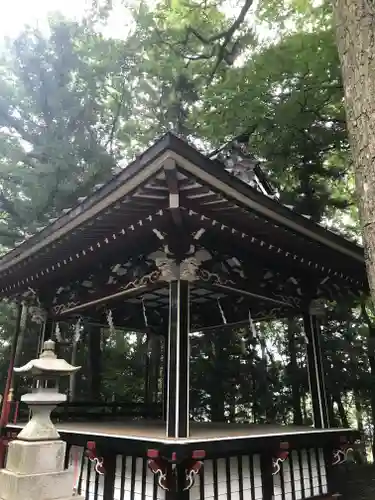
{"x": 7, "y": 396}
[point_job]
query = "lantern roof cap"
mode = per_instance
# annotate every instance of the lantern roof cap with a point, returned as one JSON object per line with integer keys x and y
{"x": 47, "y": 363}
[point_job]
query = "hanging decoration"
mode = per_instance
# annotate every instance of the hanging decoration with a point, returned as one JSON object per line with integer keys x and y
{"x": 110, "y": 322}
{"x": 24, "y": 314}
{"x": 221, "y": 312}
{"x": 77, "y": 330}
{"x": 37, "y": 315}
{"x": 149, "y": 339}
{"x": 277, "y": 462}
{"x": 252, "y": 326}
{"x": 33, "y": 306}
{"x": 144, "y": 312}
{"x": 192, "y": 471}
{"x": 257, "y": 336}
{"x": 341, "y": 455}
{"x": 159, "y": 466}
{"x": 91, "y": 454}
{"x": 58, "y": 333}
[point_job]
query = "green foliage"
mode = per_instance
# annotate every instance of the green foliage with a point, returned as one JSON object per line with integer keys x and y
{"x": 294, "y": 103}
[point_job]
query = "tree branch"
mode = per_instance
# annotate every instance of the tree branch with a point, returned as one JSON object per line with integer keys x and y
{"x": 9, "y": 208}
{"x": 116, "y": 119}
{"x": 16, "y": 125}
{"x": 221, "y": 50}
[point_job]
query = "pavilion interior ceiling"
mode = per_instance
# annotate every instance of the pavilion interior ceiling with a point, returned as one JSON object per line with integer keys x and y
{"x": 247, "y": 262}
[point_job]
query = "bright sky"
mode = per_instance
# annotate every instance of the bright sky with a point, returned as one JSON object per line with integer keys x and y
{"x": 15, "y": 14}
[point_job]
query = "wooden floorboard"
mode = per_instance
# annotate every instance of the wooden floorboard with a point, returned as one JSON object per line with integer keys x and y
{"x": 156, "y": 429}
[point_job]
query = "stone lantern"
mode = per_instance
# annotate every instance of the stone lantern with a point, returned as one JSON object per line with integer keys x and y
{"x": 46, "y": 370}
{"x": 35, "y": 462}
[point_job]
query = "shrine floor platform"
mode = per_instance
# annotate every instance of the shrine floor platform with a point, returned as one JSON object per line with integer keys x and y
{"x": 214, "y": 435}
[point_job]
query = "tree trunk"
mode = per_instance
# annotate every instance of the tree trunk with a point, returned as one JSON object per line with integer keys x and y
{"x": 147, "y": 364}
{"x": 371, "y": 358}
{"x": 21, "y": 337}
{"x": 293, "y": 371}
{"x": 155, "y": 356}
{"x": 358, "y": 412}
{"x": 341, "y": 409}
{"x": 304, "y": 409}
{"x": 355, "y": 29}
{"x": 95, "y": 355}
{"x": 19, "y": 348}
{"x": 372, "y": 397}
{"x": 331, "y": 411}
{"x": 361, "y": 455}
{"x": 217, "y": 396}
{"x": 152, "y": 369}
{"x": 72, "y": 379}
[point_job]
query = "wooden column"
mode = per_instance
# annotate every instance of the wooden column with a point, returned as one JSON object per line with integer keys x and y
{"x": 110, "y": 475}
{"x": 267, "y": 477}
{"x": 165, "y": 377}
{"x": 316, "y": 371}
{"x": 178, "y": 360}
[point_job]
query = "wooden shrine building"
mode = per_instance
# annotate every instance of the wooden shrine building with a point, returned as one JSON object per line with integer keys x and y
{"x": 179, "y": 235}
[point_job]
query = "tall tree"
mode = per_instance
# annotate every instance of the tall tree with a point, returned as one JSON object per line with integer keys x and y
{"x": 356, "y": 46}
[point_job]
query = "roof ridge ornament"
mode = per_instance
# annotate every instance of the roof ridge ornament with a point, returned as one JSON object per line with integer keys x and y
{"x": 242, "y": 164}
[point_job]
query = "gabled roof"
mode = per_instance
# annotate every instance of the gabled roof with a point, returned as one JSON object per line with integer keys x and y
{"x": 209, "y": 191}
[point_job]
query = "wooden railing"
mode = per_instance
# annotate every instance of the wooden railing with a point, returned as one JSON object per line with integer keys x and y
{"x": 93, "y": 410}
{"x": 89, "y": 410}
{"x": 302, "y": 476}
{"x": 105, "y": 473}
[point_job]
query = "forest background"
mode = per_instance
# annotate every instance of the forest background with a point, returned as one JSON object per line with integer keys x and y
{"x": 78, "y": 100}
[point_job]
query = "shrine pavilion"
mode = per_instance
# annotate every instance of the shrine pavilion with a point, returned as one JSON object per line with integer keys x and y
{"x": 178, "y": 243}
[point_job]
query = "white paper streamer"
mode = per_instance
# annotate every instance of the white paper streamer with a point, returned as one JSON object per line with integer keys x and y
{"x": 222, "y": 312}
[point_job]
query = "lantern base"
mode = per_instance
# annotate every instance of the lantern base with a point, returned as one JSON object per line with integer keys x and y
{"x": 30, "y": 457}
{"x": 35, "y": 471}
{"x": 53, "y": 486}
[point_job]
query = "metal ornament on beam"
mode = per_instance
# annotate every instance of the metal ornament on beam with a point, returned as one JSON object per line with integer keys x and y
{"x": 187, "y": 269}
{"x": 134, "y": 286}
{"x": 317, "y": 308}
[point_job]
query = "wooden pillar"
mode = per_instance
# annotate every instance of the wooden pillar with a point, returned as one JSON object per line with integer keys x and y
{"x": 332, "y": 485}
{"x": 165, "y": 377}
{"x": 110, "y": 462}
{"x": 178, "y": 360}
{"x": 267, "y": 477}
{"x": 316, "y": 371}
